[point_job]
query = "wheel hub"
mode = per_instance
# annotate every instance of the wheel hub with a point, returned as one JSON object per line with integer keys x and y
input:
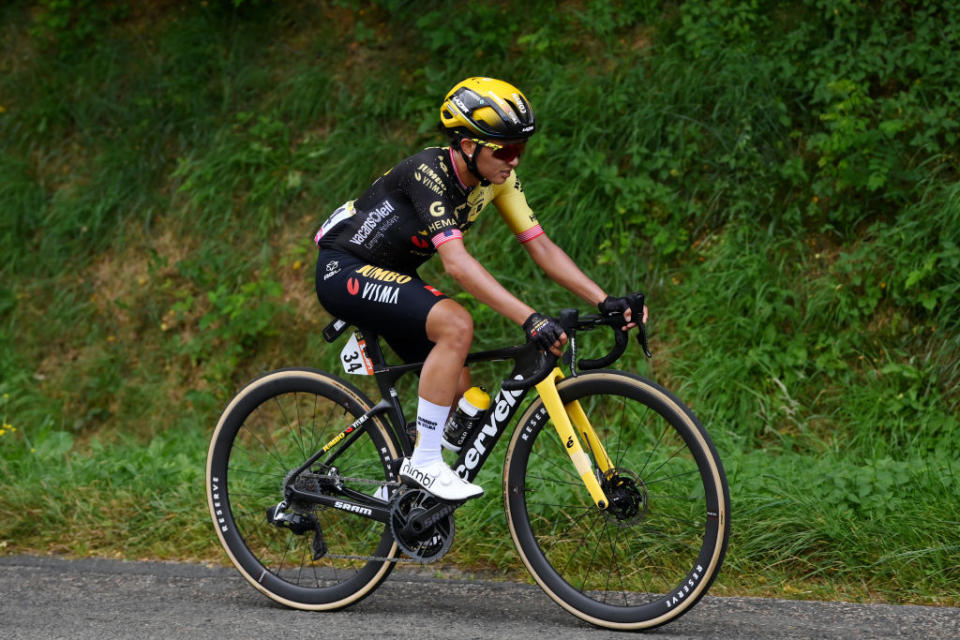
{"x": 628, "y": 496}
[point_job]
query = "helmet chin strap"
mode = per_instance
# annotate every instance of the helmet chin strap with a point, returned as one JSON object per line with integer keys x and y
{"x": 471, "y": 162}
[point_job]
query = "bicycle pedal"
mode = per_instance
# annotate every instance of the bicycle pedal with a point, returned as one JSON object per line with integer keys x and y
{"x": 411, "y": 485}
{"x": 449, "y": 506}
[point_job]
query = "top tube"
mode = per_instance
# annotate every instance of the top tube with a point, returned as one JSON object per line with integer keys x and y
{"x": 532, "y": 365}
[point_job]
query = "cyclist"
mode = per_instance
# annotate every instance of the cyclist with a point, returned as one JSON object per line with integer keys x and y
{"x": 371, "y": 247}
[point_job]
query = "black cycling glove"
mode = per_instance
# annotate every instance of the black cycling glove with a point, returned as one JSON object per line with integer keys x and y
{"x": 542, "y": 330}
{"x": 611, "y": 306}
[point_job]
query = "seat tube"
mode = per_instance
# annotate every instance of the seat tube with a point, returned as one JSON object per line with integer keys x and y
{"x": 547, "y": 389}
{"x": 386, "y": 378}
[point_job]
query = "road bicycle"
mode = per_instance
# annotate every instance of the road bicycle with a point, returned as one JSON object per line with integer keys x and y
{"x": 613, "y": 493}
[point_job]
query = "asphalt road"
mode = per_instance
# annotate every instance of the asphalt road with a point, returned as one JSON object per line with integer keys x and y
{"x": 51, "y": 598}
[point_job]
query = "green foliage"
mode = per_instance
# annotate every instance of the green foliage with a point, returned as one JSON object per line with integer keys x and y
{"x": 871, "y": 106}
{"x": 252, "y": 168}
{"x": 231, "y": 328}
{"x": 133, "y": 495}
{"x": 70, "y": 24}
{"x": 834, "y": 519}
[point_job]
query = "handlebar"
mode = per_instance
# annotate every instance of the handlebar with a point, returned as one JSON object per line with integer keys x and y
{"x": 571, "y": 322}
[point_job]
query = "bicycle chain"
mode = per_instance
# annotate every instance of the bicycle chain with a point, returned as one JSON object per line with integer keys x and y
{"x": 396, "y": 560}
{"x": 344, "y": 556}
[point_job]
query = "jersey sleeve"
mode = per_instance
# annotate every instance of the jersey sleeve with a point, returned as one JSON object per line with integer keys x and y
{"x": 513, "y": 208}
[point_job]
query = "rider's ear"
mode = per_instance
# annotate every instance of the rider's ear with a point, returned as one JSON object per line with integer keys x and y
{"x": 468, "y": 146}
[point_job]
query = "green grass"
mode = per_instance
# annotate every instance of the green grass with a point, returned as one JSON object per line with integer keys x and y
{"x": 785, "y": 190}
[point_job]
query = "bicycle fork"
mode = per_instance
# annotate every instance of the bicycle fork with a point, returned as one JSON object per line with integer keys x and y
{"x": 571, "y": 422}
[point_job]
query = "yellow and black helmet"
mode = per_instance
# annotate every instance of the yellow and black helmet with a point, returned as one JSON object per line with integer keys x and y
{"x": 487, "y": 108}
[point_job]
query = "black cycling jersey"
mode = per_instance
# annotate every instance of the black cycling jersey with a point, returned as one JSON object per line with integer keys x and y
{"x": 370, "y": 248}
{"x": 418, "y": 205}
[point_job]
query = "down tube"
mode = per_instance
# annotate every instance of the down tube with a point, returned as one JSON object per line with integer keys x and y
{"x": 479, "y": 446}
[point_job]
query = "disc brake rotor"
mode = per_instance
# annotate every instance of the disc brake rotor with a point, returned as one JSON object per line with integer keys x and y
{"x": 628, "y": 496}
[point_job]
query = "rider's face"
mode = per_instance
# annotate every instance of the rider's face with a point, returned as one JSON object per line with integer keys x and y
{"x": 494, "y": 169}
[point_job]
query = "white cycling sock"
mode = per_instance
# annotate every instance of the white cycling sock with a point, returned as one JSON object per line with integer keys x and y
{"x": 431, "y": 418}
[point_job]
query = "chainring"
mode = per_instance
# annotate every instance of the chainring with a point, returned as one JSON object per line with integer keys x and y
{"x": 428, "y": 545}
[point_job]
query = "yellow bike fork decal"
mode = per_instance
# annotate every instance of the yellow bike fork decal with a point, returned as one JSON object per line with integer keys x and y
{"x": 582, "y": 423}
{"x": 561, "y": 416}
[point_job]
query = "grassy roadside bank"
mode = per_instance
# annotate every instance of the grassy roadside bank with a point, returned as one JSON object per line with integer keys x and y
{"x": 785, "y": 190}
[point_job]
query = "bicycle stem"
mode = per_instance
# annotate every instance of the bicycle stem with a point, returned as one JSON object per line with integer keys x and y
{"x": 561, "y": 416}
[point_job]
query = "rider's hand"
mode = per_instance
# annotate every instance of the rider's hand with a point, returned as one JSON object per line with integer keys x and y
{"x": 613, "y": 306}
{"x": 545, "y": 332}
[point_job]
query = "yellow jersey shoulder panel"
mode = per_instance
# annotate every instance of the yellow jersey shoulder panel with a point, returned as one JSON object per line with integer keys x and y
{"x": 511, "y": 202}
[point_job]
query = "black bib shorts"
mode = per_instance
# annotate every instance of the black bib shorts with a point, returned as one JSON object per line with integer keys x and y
{"x": 392, "y": 304}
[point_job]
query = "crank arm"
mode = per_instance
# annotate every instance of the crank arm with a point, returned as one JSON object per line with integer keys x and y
{"x": 419, "y": 523}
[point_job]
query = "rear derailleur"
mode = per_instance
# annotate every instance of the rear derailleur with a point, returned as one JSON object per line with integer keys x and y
{"x": 299, "y": 521}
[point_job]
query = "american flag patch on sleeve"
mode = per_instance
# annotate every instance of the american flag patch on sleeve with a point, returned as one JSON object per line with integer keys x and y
{"x": 529, "y": 234}
{"x": 446, "y": 236}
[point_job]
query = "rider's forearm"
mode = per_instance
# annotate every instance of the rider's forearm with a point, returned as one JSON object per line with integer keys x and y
{"x": 563, "y": 270}
{"x": 478, "y": 282}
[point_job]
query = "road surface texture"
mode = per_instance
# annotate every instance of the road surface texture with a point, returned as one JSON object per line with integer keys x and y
{"x": 52, "y": 598}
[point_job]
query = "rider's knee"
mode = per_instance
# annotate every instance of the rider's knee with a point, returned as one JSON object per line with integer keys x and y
{"x": 461, "y": 322}
{"x": 460, "y": 329}
{"x": 452, "y": 325}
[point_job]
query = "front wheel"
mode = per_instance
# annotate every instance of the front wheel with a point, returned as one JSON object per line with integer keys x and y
{"x": 302, "y": 555}
{"x": 653, "y": 552}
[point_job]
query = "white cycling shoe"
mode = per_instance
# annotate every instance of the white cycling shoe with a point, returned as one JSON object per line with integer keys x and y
{"x": 440, "y": 480}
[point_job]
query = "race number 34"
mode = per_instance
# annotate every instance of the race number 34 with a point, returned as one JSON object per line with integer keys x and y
{"x": 354, "y": 358}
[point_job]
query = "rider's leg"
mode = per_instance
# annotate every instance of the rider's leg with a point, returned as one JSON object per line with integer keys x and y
{"x": 450, "y": 327}
{"x": 463, "y": 385}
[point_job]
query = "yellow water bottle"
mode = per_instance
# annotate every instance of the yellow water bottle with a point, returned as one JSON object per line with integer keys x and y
{"x": 467, "y": 417}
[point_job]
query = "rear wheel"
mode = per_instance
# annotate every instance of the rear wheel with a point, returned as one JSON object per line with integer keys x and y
{"x": 270, "y": 429}
{"x": 653, "y": 553}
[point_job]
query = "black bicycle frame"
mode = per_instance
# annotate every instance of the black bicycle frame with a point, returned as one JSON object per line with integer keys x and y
{"x": 480, "y": 444}
{"x": 473, "y": 454}
{"x": 476, "y": 449}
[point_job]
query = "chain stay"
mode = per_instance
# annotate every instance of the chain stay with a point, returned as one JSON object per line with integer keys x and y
{"x": 391, "y": 485}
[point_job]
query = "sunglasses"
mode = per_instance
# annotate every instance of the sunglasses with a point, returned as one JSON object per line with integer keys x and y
{"x": 505, "y": 152}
